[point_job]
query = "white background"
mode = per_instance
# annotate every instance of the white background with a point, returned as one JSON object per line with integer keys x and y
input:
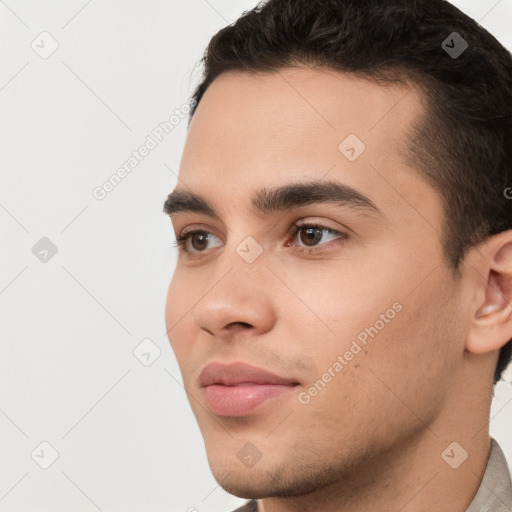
{"x": 124, "y": 432}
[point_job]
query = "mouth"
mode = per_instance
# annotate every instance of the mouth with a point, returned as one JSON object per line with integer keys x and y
{"x": 239, "y": 389}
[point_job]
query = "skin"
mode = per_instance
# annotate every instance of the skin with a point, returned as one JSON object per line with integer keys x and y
{"x": 372, "y": 439}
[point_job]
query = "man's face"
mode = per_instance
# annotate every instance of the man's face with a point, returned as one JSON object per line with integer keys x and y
{"x": 366, "y": 323}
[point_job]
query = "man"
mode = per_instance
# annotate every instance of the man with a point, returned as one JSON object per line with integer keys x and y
{"x": 342, "y": 302}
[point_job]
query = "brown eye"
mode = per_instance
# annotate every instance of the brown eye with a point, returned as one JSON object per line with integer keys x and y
{"x": 309, "y": 236}
{"x": 199, "y": 240}
{"x": 312, "y": 235}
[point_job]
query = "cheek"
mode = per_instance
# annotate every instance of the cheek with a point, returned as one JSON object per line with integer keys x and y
{"x": 414, "y": 357}
{"x": 378, "y": 322}
{"x": 401, "y": 367}
{"x": 335, "y": 304}
{"x": 178, "y": 315}
{"x": 171, "y": 307}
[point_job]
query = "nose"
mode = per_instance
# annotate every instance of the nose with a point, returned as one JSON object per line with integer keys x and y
{"x": 236, "y": 300}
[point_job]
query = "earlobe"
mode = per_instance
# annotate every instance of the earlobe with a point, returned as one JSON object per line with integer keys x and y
{"x": 492, "y": 322}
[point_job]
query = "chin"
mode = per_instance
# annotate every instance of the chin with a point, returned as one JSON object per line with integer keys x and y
{"x": 243, "y": 486}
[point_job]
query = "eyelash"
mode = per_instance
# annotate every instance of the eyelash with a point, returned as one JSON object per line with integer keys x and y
{"x": 295, "y": 228}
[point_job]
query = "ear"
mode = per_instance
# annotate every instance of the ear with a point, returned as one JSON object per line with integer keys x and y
{"x": 491, "y": 323}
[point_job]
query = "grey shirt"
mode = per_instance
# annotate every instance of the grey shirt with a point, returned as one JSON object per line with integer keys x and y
{"x": 495, "y": 491}
{"x": 493, "y": 495}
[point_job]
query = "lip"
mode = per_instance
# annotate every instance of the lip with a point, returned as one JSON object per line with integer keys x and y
{"x": 239, "y": 389}
{"x": 235, "y": 374}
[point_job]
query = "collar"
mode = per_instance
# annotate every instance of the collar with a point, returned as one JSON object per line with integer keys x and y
{"x": 495, "y": 491}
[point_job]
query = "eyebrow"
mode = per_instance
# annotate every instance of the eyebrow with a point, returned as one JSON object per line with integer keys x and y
{"x": 272, "y": 200}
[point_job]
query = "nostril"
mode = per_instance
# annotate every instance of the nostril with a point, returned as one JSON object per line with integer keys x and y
{"x": 244, "y": 324}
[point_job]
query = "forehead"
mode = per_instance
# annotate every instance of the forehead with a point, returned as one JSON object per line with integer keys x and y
{"x": 253, "y": 129}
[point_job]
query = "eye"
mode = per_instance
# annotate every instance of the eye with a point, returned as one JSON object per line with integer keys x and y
{"x": 312, "y": 235}
{"x": 198, "y": 242}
